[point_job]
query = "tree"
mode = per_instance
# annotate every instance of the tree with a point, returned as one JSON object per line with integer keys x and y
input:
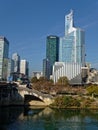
{"x": 34, "y": 80}
{"x": 63, "y": 80}
{"x": 42, "y": 79}
{"x": 93, "y": 89}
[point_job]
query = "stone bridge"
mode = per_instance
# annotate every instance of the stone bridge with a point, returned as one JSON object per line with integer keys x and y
{"x": 44, "y": 99}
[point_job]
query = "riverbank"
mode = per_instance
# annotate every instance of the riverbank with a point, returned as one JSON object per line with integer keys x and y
{"x": 75, "y": 102}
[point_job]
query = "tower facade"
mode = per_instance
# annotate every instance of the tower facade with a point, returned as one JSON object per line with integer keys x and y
{"x": 72, "y": 45}
{"x": 24, "y": 67}
{"x": 4, "y": 50}
{"x": 46, "y": 68}
{"x": 52, "y": 50}
{"x": 16, "y": 59}
{"x": 71, "y": 53}
{"x": 10, "y": 68}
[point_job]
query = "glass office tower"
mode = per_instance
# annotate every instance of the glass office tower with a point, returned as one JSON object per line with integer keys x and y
{"x": 71, "y": 53}
{"x": 71, "y": 48}
{"x": 16, "y": 59}
{"x": 46, "y": 68}
{"x": 52, "y": 50}
{"x": 4, "y": 50}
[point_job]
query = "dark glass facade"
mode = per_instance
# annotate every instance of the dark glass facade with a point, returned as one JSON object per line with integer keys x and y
{"x": 52, "y": 50}
{"x": 46, "y": 68}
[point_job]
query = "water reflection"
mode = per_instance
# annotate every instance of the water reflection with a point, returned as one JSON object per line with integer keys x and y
{"x": 24, "y": 118}
{"x": 8, "y": 115}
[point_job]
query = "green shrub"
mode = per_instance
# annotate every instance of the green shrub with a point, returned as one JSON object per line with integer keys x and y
{"x": 93, "y": 89}
{"x": 66, "y": 101}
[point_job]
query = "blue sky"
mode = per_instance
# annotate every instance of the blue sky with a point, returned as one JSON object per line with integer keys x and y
{"x": 27, "y": 23}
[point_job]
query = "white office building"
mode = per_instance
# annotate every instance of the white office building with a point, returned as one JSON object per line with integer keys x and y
{"x": 71, "y": 70}
{"x": 24, "y": 67}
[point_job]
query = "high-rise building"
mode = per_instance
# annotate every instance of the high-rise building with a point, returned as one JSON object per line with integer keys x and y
{"x": 46, "y": 68}
{"x": 72, "y": 45}
{"x": 4, "y": 50}
{"x": 16, "y": 59}
{"x": 71, "y": 70}
{"x": 24, "y": 67}
{"x": 52, "y": 50}
{"x": 71, "y": 53}
{"x": 10, "y": 67}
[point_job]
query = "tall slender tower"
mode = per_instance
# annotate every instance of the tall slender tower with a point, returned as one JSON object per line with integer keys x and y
{"x": 52, "y": 50}
{"x": 24, "y": 68}
{"x": 16, "y": 59}
{"x": 46, "y": 68}
{"x": 69, "y": 23}
{"x": 4, "y": 50}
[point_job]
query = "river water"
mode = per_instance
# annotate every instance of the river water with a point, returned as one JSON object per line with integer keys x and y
{"x": 20, "y": 118}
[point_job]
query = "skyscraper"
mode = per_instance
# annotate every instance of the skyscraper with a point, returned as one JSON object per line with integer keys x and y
{"x": 71, "y": 53}
{"x": 72, "y": 45}
{"x": 4, "y": 50}
{"x": 24, "y": 67}
{"x": 52, "y": 50}
{"x": 10, "y": 67}
{"x": 46, "y": 68}
{"x": 16, "y": 59}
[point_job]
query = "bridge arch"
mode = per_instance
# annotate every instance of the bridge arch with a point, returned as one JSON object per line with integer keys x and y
{"x": 34, "y": 97}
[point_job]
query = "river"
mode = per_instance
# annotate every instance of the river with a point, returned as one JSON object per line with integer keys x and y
{"x": 20, "y": 118}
